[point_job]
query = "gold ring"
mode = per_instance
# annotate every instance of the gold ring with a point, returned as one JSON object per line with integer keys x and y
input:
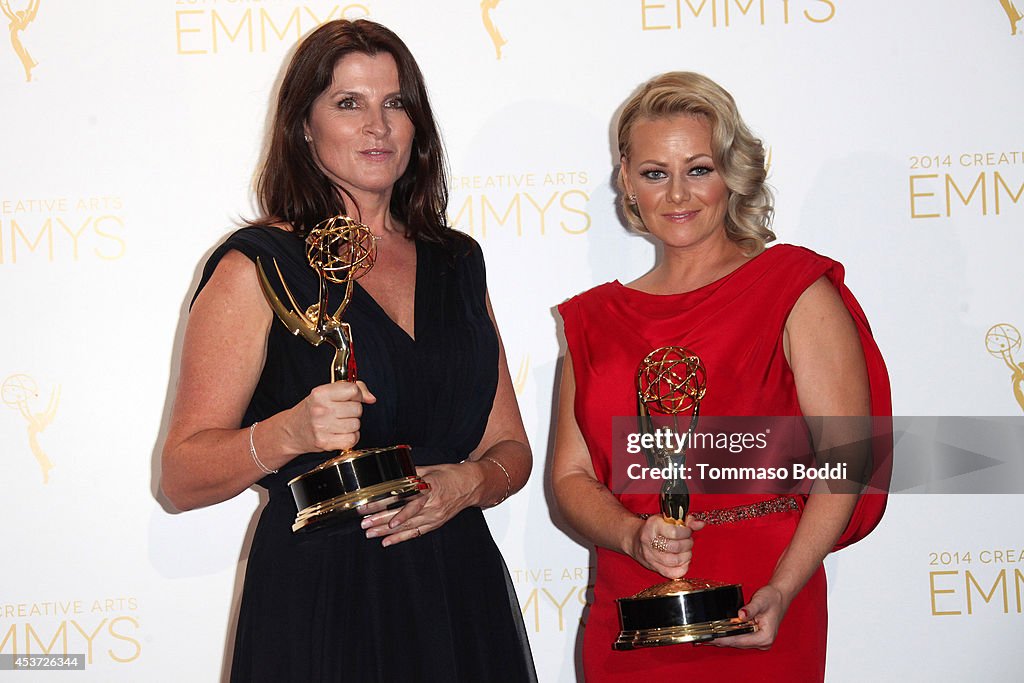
{"x": 660, "y": 543}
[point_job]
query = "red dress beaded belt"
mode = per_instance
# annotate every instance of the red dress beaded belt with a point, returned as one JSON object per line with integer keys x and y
{"x": 742, "y": 512}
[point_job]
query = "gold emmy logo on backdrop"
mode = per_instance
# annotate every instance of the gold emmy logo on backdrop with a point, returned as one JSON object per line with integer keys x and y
{"x": 17, "y": 392}
{"x": 542, "y": 203}
{"x": 519, "y": 382}
{"x": 1013, "y": 14}
{"x": 485, "y": 11}
{"x": 1001, "y": 341}
{"x": 20, "y": 20}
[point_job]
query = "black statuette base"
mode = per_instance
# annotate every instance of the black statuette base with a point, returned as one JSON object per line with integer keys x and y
{"x": 332, "y": 491}
{"x": 681, "y": 611}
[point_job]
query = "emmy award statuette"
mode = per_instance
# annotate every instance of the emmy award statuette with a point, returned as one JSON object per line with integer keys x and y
{"x": 671, "y": 381}
{"x": 340, "y": 250}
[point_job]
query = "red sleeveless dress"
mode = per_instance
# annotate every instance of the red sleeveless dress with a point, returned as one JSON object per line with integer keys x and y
{"x": 735, "y": 325}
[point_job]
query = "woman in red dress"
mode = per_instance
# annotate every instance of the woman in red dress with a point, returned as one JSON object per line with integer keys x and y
{"x": 779, "y": 335}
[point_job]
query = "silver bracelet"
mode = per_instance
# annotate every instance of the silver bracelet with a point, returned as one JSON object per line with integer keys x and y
{"x": 508, "y": 481}
{"x": 252, "y": 452}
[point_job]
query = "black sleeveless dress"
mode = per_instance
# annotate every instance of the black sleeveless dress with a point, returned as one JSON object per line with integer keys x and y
{"x": 332, "y": 605}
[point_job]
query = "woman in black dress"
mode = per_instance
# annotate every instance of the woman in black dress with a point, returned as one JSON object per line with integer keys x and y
{"x": 416, "y": 594}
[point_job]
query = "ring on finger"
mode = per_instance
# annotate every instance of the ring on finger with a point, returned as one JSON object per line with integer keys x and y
{"x": 418, "y": 532}
{"x": 660, "y": 543}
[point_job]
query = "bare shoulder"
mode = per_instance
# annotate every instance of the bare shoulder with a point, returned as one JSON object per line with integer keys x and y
{"x": 819, "y": 319}
{"x": 234, "y": 279}
{"x": 820, "y": 311}
{"x": 233, "y": 265}
{"x": 231, "y": 300}
{"x": 223, "y": 350}
{"x": 823, "y": 348}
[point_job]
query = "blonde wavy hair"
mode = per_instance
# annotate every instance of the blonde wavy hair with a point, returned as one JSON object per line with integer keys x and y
{"x": 739, "y": 156}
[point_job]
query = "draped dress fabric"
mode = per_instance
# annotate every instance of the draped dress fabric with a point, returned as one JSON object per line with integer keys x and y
{"x": 735, "y": 325}
{"x": 332, "y": 605}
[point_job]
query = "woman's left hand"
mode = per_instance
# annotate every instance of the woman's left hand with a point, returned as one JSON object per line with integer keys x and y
{"x": 452, "y": 489}
{"x": 766, "y": 609}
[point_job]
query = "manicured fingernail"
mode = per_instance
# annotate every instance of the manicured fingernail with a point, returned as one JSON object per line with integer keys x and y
{"x": 365, "y": 524}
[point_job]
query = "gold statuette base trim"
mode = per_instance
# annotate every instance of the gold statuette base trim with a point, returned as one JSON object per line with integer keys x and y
{"x": 345, "y": 506}
{"x": 681, "y": 611}
{"x": 689, "y": 633}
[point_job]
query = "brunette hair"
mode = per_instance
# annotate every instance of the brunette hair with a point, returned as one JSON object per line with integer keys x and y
{"x": 738, "y": 155}
{"x": 291, "y": 187}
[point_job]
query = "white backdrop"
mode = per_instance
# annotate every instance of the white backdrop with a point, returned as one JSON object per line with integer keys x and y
{"x": 896, "y": 148}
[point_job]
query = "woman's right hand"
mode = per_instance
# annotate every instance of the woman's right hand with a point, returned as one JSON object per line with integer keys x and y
{"x": 329, "y": 418}
{"x": 664, "y": 547}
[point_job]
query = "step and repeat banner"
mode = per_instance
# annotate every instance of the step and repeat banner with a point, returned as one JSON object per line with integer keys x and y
{"x": 130, "y": 135}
